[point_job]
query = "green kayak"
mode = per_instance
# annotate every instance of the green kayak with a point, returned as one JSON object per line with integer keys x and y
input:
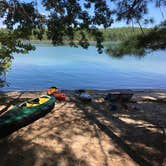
{"x": 25, "y": 114}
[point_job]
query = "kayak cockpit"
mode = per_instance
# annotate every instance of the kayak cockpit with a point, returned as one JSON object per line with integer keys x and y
{"x": 36, "y": 102}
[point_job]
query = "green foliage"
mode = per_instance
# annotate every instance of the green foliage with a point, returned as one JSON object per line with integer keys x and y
{"x": 69, "y": 18}
{"x": 20, "y": 20}
{"x": 140, "y": 44}
{"x": 109, "y": 35}
{"x": 121, "y": 34}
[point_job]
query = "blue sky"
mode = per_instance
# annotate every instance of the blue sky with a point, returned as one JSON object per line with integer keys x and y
{"x": 153, "y": 12}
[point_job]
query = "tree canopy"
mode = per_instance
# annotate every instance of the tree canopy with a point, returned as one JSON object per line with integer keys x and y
{"x": 140, "y": 44}
{"x": 67, "y": 18}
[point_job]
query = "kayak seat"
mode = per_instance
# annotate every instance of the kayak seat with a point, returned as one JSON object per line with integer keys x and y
{"x": 37, "y": 102}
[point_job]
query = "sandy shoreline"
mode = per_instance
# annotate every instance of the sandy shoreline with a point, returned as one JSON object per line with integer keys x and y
{"x": 151, "y": 92}
{"x": 77, "y": 133}
{"x": 140, "y": 94}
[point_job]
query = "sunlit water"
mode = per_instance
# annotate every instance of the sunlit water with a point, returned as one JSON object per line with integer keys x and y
{"x": 75, "y": 68}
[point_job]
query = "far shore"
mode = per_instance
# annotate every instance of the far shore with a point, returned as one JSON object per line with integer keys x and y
{"x": 67, "y": 42}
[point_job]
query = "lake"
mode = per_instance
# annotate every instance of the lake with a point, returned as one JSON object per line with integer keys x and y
{"x": 75, "y": 68}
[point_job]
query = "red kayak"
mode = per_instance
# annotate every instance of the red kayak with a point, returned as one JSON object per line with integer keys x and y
{"x": 56, "y": 93}
{"x": 60, "y": 96}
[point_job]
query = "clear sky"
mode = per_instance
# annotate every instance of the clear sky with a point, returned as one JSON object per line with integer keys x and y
{"x": 156, "y": 14}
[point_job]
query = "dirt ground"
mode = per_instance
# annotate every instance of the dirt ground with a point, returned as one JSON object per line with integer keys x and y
{"x": 75, "y": 133}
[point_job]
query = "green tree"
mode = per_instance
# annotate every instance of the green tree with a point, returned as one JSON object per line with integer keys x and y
{"x": 67, "y": 18}
{"x": 140, "y": 44}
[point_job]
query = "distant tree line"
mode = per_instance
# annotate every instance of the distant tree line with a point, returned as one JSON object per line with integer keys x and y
{"x": 112, "y": 34}
{"x": 122, "y": 34}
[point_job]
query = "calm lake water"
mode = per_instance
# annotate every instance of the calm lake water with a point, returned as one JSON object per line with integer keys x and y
{"x": 75, "y": 68}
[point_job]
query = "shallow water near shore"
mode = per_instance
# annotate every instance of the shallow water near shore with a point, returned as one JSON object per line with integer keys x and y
{"x": 74, "y": 68}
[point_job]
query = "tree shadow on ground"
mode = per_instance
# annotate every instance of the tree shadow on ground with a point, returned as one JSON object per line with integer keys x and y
{"x": 18, "y": 151}
{"x": 49, "y": 140}
{"x": 143, "y": 145}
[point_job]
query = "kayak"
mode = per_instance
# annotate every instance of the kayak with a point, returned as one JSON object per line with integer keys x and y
{"x": 25, "y": 114}
{"x": 54, "y": 91}
{"x": 60, "y": 96}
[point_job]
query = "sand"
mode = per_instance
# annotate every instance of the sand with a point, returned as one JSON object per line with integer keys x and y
{"x": 89, "y": 134}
